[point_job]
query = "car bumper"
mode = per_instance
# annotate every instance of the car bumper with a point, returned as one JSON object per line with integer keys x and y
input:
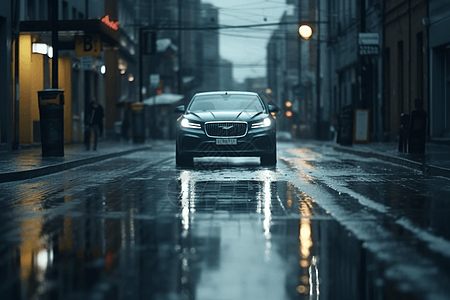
{"x": 254, "y": 143}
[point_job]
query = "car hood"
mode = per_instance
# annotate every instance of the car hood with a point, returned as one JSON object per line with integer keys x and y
{"x": 211, "y": 116}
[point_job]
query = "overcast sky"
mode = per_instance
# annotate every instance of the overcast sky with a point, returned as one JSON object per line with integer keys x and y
{"x": 246, "y": 47}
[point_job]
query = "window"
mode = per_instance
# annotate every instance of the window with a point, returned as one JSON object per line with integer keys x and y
{"x": 42, "y": 9}
{"x": 31, "y": 10}
{"x": 65, "y": 10}
{"x": 400, "y": 77}
{"x": 420, "y": 75}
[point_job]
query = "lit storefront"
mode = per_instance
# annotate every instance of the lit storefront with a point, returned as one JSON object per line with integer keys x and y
{"x": 81, "y": 79}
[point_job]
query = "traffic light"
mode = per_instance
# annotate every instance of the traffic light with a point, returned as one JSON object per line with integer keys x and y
{"x": 288, "y": 112}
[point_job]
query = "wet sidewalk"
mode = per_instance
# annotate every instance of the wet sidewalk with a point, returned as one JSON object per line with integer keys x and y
{"x": 28, "y": 162}
{"x": 435, "y": 161}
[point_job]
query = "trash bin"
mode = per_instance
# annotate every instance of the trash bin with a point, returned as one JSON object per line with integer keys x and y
{"x": 51, "y": 112}
{"x": 138, "y": 124}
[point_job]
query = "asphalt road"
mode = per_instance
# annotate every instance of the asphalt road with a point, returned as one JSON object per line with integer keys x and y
{"x": 320, "y": 225}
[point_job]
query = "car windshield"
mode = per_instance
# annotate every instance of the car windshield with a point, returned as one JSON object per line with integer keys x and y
{"x": 246, "y": 103}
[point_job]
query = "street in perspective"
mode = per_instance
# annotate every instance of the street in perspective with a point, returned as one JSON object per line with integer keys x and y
{"x": 321, "y": 224}
{"x": 224, "y": 150}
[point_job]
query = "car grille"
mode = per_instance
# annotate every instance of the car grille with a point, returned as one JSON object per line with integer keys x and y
{"x": 226, "y": 129}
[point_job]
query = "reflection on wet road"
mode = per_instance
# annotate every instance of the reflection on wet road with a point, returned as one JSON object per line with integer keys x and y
{"x": 139, "y": 228}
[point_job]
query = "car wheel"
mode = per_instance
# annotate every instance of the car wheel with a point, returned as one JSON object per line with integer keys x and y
{"x": 269, "y": 160}
{"x": 183, "y": 160}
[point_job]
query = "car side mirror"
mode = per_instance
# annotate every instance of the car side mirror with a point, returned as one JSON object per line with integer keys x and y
{"x": 180, "y": 109}
{"x": 273, "y": 108}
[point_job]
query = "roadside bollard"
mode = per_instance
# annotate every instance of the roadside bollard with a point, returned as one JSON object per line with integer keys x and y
{"x": 138, "y": 124}
{"x": 404, "y": 133}
{"x": 417, "y": 129}
{"x": 346, "y": 126}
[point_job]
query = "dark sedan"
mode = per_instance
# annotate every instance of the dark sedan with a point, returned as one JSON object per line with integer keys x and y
{"x": 226, "y": 124}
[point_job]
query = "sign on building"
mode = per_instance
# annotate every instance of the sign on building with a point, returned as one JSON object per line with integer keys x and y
{"x": 368, "y": 43}
{"x": 86, "y": 62}
{"x": 88, "y": 45}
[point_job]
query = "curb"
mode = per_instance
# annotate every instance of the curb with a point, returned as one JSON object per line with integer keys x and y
{"x": 425, "y": 168}
{"x": 28, "y": 174}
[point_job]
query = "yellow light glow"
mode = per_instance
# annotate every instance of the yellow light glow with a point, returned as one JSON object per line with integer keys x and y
{"x": 288, "y": 103}
{"x": 304, "y": 263}
{"x": 301, "y": 289}
{"x": 305, "y": 31}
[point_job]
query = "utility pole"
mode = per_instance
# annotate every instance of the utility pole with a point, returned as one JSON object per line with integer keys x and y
{"x": 180, "y": 40}
{"x": 318, "y": 135}
{"x": 15, "y": 144}
{"x": 55, "y": 44}
{"x": 299, "y": 66}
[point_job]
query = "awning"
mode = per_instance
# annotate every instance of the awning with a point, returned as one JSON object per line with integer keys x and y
{"x": 163, "y": 99}
{"x": 73, "y": 27}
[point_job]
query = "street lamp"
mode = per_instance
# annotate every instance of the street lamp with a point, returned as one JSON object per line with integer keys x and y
{"x": 306, "y": 32}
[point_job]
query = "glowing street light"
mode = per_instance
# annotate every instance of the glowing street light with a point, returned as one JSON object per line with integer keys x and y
{"x": 305, "y": 31}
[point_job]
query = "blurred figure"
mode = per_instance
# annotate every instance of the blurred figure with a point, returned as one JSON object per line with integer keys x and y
{"x": 95, "y": 123}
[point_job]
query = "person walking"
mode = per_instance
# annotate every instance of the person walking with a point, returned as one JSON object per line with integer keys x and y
{"x": 95, "y": 122}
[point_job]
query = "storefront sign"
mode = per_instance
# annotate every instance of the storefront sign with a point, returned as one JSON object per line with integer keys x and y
{"x": 88, "y": 45}
{"x": 111, "y": 24}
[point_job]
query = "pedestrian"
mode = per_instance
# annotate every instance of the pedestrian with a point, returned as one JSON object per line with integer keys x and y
{"x": 95, "y": 122}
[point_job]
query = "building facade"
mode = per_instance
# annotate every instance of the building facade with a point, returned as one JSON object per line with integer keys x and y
{"x": 6, "y": 104}
{"x": 406, "y": 62}
{"x": 438, "y": 22}
{"x": 369, "y": 55}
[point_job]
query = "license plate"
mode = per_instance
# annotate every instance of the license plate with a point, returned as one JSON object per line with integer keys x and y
{"x": 226, "y": 142}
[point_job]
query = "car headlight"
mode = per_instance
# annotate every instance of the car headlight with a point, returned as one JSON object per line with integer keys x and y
{"x": 188, "y": 124}
{"x": 264, "y": 123}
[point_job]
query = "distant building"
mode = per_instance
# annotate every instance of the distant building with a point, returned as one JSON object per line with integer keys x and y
{"x": 282, "y": 72}
{"x": 256, "y": 85}
{"x": 226, "y": 75}
{"x": 210, "y": 65}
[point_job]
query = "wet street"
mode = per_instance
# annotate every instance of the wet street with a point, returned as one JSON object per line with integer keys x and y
{"x": 320, "y": 225}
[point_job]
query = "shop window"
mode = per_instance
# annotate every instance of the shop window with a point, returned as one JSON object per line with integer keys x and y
{"x": 31, "y": 10}
{"x": 65, "y": 10}
{"x": 74, "y": 13}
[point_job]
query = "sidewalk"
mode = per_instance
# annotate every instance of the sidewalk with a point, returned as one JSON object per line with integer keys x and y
{"x": 29, "y": 163}
{"x": 435, "y": 161}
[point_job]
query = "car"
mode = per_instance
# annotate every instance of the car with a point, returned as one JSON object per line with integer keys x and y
{"x": 226, "y": 124}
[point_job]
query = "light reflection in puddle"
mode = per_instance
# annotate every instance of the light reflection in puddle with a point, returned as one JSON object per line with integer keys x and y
{"x": 261, "y": 197}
